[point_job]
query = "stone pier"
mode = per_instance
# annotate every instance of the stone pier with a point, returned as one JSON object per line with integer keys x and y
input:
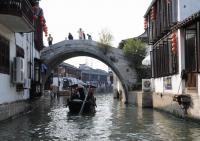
{"x": 141, "y": 99}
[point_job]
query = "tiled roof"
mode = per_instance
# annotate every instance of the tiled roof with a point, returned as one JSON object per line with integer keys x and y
{"x": 185, "y": 22}
{"x": 188, "y": 20}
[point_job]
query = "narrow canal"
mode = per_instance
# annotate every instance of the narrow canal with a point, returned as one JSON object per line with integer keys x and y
{"x": 50, "y": 121}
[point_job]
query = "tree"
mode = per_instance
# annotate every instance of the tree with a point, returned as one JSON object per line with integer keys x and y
{"x": 135, "y": 51}
{"x": 105, "y": 38}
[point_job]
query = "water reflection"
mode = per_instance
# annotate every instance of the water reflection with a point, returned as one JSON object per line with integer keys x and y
{"x": 50, "y": 120}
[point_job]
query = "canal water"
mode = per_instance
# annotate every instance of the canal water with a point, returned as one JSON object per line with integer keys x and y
{"x": 49, "y": 121}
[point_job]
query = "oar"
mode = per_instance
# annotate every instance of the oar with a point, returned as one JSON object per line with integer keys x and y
{"x": 83, "y": 104}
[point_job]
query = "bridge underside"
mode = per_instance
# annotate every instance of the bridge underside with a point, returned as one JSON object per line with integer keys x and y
{"x": 57, "y": 53}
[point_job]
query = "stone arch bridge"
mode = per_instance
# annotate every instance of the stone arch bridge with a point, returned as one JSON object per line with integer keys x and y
{"x": 113, "y": 57}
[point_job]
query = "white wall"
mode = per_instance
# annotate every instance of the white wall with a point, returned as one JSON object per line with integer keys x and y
{"x": 198, "y": 85}
{"x": 175, "y": 80}
{"x": 187, "y": 8}
{"x": 7, "y": 88}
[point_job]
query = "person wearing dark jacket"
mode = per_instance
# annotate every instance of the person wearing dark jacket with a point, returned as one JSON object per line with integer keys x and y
{"x": 70, "y": 37}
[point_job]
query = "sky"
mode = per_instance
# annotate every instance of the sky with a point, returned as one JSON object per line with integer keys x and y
{"x": 123, "y": 18}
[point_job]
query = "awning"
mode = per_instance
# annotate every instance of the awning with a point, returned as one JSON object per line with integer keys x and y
{"x": 146, "y": 61}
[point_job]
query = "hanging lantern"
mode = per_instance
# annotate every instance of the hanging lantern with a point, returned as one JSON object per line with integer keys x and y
{"x": 34, "y": 17}
{"x": 41, "y": 18}
{"x": 174, "y": 44}
{"x": 44, "y": 27}
{"x": 41, "y": 22}
{"x": 174, "y": 50}
{"x": 153, "y": 13}
{"x": 145, "y": 23}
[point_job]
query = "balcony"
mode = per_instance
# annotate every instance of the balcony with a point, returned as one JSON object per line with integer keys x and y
{"x": 17, "y": 15}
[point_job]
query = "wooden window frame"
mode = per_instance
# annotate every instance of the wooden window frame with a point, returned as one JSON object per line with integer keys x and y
{"x": 162, "y": 63}
{"x": 187, "y": 64}
{"x": 198, "y": 46}
{"x": 4, "y": 55}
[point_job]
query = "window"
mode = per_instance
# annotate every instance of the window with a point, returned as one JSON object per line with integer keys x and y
{"x": 166, "y": 16}
{"x": 198, "y": 44}
{"x": 4, "y": 55}
{"x": 164, "y": 62}
{"x": 19, "y": 52}
{"x": 191, "y": 49}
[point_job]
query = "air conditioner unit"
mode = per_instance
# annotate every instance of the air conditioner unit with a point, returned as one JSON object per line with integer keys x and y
{"x": 27, "y": 83}
{"x": 18, "y": 70}
{"x": 146, "y": 85}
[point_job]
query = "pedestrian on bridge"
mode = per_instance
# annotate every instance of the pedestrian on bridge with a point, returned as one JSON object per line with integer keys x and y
{"x": 80, "y": 33}
{"x": 83, "y": 35}
{"x": 70, "y": 37}
{"x": 50, "y": 39}
{"x": 89, "y": 37}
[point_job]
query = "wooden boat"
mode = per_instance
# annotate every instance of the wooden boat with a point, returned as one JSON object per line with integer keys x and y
{"x": 84, "y": 103}
{"x": 76, "y": 104}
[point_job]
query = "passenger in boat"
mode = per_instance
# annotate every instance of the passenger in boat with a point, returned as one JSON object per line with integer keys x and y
{"x": 91, "y": 97}
{"x": 75, "y": 94}
{"x": 82, "y": 93}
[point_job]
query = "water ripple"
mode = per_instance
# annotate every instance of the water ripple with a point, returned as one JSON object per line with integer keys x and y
{"x": 113, "y": 121}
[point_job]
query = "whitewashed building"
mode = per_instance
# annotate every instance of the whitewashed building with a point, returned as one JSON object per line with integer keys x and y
{"x": 20, "y": 65}
{"x": 173, "y": 28}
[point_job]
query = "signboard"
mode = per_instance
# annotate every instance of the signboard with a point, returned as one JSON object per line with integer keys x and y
{"x": 168, "y": 83}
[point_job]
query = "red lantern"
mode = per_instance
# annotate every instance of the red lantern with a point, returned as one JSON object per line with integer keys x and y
{"x": 44, "y": 27}
{"x": 145, "y": 23}
{"x": 174, "y": 50}
{"x": 174, "y": 45}
{"x": 35, "y": 17}
{"x": 41, "y": 18}
{"x": 153, "y": 13}
{"x": 173, "y": 37}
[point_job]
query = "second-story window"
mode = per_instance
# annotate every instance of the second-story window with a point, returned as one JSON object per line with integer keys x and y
{"x": 19, "y": 52}
{"x": 4, "y": 55}
{"x": 191, "y": 49}
{"x": 198, "y": 43}
{"x": 164, "y": 62}
{"x": 161, "y": 17}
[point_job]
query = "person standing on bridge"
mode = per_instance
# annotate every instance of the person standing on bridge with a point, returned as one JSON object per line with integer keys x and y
{"x": 80, "y": 33}
{"x": 50, "y": 39}
{"x": 70, "y": 37}
{"x": 89, "y": 37}
{"x": 83, "y": 35}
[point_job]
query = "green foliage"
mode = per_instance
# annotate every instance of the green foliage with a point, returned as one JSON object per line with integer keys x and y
{"x": 135, "y": 51}
{"x": 105, "y": 38}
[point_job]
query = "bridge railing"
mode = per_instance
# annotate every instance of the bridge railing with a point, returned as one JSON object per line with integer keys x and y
{"x": 68, "y": 43}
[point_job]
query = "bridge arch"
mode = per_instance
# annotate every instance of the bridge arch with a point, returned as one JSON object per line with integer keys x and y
{"x": 57, "y": 53}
